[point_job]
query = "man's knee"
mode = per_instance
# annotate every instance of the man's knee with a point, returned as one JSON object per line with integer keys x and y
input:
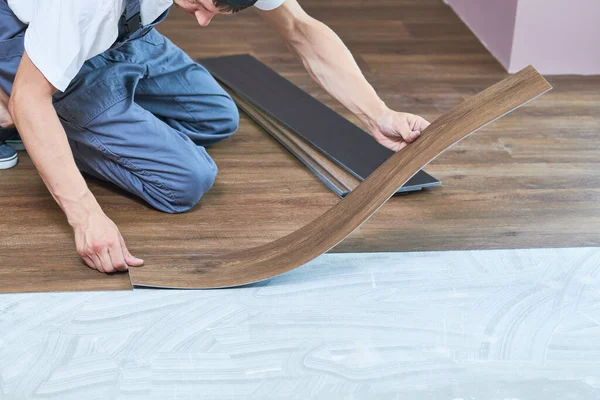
{"x": 198, "y": 175}
{"x": 198, "y": 182}
{"x": 190, "y": 183}
{"x": 220, "y": 120}
{"x": 228, "y": 117}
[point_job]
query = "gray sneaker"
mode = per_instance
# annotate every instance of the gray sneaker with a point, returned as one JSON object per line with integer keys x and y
{"x": 8, "y": 156}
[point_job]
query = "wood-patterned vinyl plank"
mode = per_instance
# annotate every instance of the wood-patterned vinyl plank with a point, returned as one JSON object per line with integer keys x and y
{"x": 34, "y": 272}
{"x": 37, "y": 251}
{"x": 323, "y": 233}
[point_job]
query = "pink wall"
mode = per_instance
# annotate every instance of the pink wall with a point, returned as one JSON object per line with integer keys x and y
{"x": 555, "y": 36}
{"x": 492, "y": 21}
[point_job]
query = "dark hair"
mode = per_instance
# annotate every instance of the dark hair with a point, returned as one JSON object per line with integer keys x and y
{"x": 233, "y": 5}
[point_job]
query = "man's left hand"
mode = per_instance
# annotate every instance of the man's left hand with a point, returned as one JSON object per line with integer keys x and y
{"x": 395, "y": 130}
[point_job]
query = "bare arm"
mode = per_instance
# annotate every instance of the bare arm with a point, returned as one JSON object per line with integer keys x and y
{"x": 97, "y": 237}
{"x": 331, "y": 64}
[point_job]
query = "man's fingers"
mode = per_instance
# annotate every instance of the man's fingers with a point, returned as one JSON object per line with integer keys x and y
{"x": 399, "y": 146}
{"x": 130, "y": 259}
{"x": 413, "y": 128}
{"x": 97, "y": 262}
{"x": 117, "y": 259}
{"x": 89, "y": 262}
{"x": 106, "y": 263}
{"x": 394, "y": 143}
{"x": 407, "y": 133}
{"x": 412, "y": 136}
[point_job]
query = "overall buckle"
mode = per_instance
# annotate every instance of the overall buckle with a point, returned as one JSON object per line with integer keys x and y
{"x": 134, "y": 23}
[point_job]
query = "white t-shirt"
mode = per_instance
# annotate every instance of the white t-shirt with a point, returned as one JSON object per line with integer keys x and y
{"x": 63, "y": 34}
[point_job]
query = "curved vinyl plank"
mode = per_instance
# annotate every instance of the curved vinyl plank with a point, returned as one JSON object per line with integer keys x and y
{"x": 272, "y": 259}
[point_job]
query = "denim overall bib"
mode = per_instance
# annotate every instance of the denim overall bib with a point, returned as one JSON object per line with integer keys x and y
{"x": 12, "y": 35}
{"x": 11, "y": 49}
{"x": 138, "y": 115}
{"x": 130, "y": 24}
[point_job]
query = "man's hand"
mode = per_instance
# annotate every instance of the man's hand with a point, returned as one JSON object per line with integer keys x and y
{"x": 101, "y": 245}
{"x": 395, "y": 130}
{"x": 98, "y": 240}
{"x": 330, "y": 63}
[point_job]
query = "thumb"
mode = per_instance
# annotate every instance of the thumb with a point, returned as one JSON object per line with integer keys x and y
{"x": 133, "y": 261}
{"x": 403, "y": 128}
{"x": 413, "y": 136}
{"x": 129, "y": 258}
{"x": 408, "y": 134}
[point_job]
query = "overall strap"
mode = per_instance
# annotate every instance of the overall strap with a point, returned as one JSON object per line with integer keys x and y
{"x": 133, "y": 19}
{"x": 130, "y": 24}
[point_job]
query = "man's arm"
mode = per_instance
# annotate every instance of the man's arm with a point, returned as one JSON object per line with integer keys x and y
{"x": 98, "y": 240}
{"x": 330, "y": 63}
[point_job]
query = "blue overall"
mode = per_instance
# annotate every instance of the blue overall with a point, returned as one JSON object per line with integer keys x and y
{"x": 138, "y": 115}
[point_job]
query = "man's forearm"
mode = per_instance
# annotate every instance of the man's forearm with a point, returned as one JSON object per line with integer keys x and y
{"x": 46, "y": 142}
{"x": 331, "y": 64}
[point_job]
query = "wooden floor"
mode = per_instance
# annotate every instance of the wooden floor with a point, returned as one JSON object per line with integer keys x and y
{"x": 528, "y": 180}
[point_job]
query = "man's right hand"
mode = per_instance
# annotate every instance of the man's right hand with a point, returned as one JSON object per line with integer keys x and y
{"x": 98, "y": 239}
{"x": 101, "y": 245}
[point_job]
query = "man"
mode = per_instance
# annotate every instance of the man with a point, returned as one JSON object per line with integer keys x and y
{"x": 92, "y": 87}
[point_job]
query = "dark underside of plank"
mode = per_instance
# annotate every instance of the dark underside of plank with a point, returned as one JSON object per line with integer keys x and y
{"x": 314, "y": 239}
{"x": 333, "y": 135}
{"x": 338, "y": 179}
{"x": 317, "y": 163}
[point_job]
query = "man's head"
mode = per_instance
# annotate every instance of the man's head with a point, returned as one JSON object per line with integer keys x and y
{"x": 205, "y": 10}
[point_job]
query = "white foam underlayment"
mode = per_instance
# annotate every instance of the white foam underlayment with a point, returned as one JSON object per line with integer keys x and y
{"x": 505, "y": 324}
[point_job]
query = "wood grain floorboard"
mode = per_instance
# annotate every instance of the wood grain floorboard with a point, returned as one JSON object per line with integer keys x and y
{"x": 529, "y": 180}
{"x": 33, "y": 272}
{"x": 36, "y": 245}
{"x": 267, "y": 261}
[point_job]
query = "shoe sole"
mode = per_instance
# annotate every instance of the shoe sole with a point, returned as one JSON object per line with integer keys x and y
{"x": 16, "y": 144}
{"x": 7, "y": 163}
